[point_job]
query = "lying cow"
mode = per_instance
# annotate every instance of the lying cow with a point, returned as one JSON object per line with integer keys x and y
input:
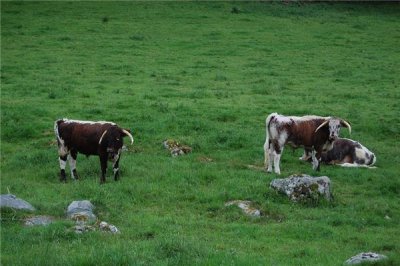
{"x": 313, "y": 133}
{"x": 346, "y": 153}
{"x": 104, "y": 139}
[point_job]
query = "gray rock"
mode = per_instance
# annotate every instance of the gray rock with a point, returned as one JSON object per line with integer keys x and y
{"x": 38, "y": 220}
{"x": 245, "y": 205}
{"x": 365, "y": 257}
{"x": 176, "y": 148}
{"x": 81, "y": 211}
{"x": 11, "y": 201}
{"x": 303, "y": 187}
{"x": 104, "y": 226}
{"x": 83, "y": 228}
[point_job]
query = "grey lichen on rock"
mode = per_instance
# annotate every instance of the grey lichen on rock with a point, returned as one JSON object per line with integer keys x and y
{"x": 303, "y": 187}
{"x": 365, "y": 257}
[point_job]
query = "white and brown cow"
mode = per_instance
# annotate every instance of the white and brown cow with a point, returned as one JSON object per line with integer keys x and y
{"x": 104, "y": 139}
{"x": 313, "y": 133}
{"x": 346, "y": 153}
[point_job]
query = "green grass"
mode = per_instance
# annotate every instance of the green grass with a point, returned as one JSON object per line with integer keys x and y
{"x": 198, "y": 73}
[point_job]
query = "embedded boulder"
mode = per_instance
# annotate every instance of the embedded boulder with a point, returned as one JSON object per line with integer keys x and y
{"x": 81, "y": 211}
{"x": 38, "y": 220}
{"x": 365, "y": 257}
{"x": 303, "y": 187}
{"x": 11, "y": 201}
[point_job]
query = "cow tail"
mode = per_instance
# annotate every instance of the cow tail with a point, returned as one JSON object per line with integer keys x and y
{"x": 56, "y": 129}
{"x": 267, "y": 123}
{"x": 267, "y": 140}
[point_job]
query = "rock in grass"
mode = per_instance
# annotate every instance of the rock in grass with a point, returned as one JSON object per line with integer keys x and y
{"x": 365, "y": 257}
{"x": 81, "y": 211}
{"x": 245, "y": 206}
{"x": 106, "y": 227}
{"x": 38, "y": 220}
{"x": 176, "y": 148}
{"x": 11, "y": 201}
{"x": 303, "y": 187}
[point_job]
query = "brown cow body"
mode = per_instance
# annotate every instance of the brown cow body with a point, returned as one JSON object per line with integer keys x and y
{"x": 104, "y": 139}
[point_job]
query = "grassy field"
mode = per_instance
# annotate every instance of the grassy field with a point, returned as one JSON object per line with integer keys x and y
{"x": 206, "y": 76}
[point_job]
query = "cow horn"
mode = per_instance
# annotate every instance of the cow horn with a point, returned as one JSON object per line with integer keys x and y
{"x": 101, "y": 138}
{"x": 126, "y": 132}
{"x": 346, "y": 124}
{"x": 323, "y": 124}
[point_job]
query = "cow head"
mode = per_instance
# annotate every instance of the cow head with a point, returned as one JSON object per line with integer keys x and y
{"x": 334, "y": 125}
{"x": 111, "y": 139}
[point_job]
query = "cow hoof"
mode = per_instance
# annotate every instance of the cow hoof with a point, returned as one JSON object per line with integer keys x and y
{"x": 75, "y": 175}
{"x": 63, "y": 177}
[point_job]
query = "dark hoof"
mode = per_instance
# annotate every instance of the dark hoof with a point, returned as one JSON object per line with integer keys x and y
{"x": 75, "y": 175}
{"x": 63, "y": 178}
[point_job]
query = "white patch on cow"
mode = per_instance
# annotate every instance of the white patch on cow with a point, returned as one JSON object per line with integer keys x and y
{"x": 282, "y": 138}
{"x": 356, "y": 165}
{"x": 62, "y": 149}
{"x": 72, "y": 165}
{"x": 62, "y": 164}
{"x": 273, "y": 131}
{"x": 115, "y": 170}
{"x": 360, "y": 154}
{"x": 68, "y": 121}
{"x": 315, "y": 162}
{"x": 116, "y": 157}
{"x": 277, "y": 159}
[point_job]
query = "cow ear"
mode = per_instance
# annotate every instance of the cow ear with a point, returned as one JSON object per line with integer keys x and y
{"x": 127, "y": 133}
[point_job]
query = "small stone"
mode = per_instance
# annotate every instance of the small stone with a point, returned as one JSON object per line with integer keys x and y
{"x": 246, "y": 207}
{"x": 104, "y": 226}
{"x": 365, "y": 257}
{"x": 176, "y": 148}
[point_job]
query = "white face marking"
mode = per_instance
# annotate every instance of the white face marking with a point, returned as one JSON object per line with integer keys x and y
{"x": 334, "y": 128}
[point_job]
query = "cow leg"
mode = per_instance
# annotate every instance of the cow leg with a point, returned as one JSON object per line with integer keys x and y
{"x": 63, "y": 163}
{"x": 277, "y": 152}
{"x": 103, "y": 164}
{"x": 306, "y": 155}
{"x": 271, "y": 158}
{"x": 316, "y": 159}
{"x": 72, "y": 164}
{"x": 116, "y": 167}
{"x": 277, "y": 159}
{"x": 267, "y": 156}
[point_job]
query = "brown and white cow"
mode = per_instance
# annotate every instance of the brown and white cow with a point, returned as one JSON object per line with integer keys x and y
{"x": 346, "y": 153}
{"x": 104, "y": 139}
{"x": 314, "y": 133}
